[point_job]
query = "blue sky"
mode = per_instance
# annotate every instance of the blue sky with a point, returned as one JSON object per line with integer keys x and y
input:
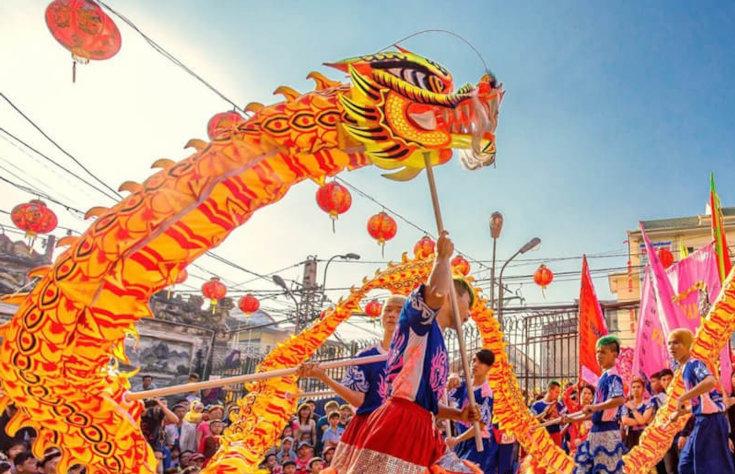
{"x": 614, "y": 112}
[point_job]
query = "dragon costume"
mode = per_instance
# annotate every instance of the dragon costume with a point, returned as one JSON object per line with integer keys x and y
{"x": 397, "y": 109}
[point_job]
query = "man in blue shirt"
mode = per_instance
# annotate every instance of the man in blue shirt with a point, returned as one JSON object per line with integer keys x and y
{"x": 706, "y": 449}
{"x": 603, "y": 450}
{"x": 549, "y": 408}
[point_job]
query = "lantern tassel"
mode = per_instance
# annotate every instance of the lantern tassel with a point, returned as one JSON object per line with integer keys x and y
{"x": 213, "y": 304}
{"x": 74, "y": 72}
{"x": 334, "y": 230}
{"x": 382, "y": 249}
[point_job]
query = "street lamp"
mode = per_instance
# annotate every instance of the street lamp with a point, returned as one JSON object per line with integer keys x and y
{"x": 496, "y": 225}
{"x": 533, "y": 243}
{"x": 282, "y": 283}
{"x": 347, "y": 256}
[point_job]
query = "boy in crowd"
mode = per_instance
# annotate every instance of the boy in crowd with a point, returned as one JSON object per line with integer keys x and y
{"x": 332, "y": 435}
{"x": 464, "y": 443}
{"x": 604, "y": 446}
{"x": 550, "y": 407}
{"x": 706, "y": 449}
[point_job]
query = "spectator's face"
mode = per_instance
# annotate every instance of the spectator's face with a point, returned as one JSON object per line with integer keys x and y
{"x": 656, "y": 384}
{"x": 50, "y": 466}
{"x": 271, "y": 461}
{"x": 587, "y": 396}
{"x": 180, "y": 412}
{"x": 29, "y": 466}
{"x": 287, "y": 431}
{"x": 286, "y": 445}
{"x": 636, "y": 389}
{"x": 184, "y": 459}
{"x": 217, "y": 428}
{"x": 304, "y": 452}
{"x": 313, "y": 406}
{"x": 317, "y": 466}
{"x": 290, "y": 469}
{"x": 665, "y": 381}
{"x": 333, "y": 421}
{"x": 147, "y": 381}
{"x": 328, "y": 456}
{"x": 554, "y": 392}
{"x": 216, "y": 413}
{"x": 15, "y": 450}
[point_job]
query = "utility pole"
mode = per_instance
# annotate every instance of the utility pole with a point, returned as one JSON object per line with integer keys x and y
{"x": 310, "y": 294}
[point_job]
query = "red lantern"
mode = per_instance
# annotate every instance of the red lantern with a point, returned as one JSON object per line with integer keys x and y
{"x": 221, "y": 126}
{"x": 382, "y": 228}
{"x": 543, "y": 277}
{"x": 34, "y": 218}
{"x": 424, "y": 247}
{"x": 84, "y": 29}
{"x": 665, "y": 257}
{"x": 249, "y": 304}
{"x": 461, "y": 265}
{"x": 373, "y": 309}
{"x": 334, "y": 199}
{"x": 214, "y": 290}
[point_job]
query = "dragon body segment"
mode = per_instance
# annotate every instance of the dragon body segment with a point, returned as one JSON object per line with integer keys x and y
{"x": 56, "y": 350}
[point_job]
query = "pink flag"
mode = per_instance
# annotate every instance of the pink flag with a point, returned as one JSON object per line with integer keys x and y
{"x": 650, "y": 346}
{"x": 670, "y": 314}
{"x": 696, "y": 281}
{"x": 683, "y": 293}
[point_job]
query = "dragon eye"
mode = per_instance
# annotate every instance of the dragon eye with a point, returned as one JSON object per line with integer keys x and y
{"x": 416, "y": 76}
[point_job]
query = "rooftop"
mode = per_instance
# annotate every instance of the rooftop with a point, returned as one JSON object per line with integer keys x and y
{"x": 689, "y": 222}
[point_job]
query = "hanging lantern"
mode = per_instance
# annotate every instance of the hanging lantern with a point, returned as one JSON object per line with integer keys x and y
{"x": 461, "y": 265}
{"x": 34, "y": 218}
{"x": 214, "y": 290}
{"x": 84, "y": 29}
{"x": 543, "y": 277}
{"x": 221, "y": 126}
{"x": 382, "y": 228}
{"x": 373, "y": 309}
{"x": 424, "y": 247}
{"x": 248, "y": 304}
{"x": 665, "y": 257}
{"x": 334, "y": 199}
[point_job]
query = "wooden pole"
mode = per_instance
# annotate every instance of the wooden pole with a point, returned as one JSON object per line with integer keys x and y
{"x": 453, "y": 300}
{"x": 576, "y": 416}
{"x": 193, "y": 387}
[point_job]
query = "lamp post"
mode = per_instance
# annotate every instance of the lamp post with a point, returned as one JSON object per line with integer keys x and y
{"x": 533, "y": 243}
{"x": 496, "y": 225}
{"x": 282, "y": 283}
{"x": 347, "y": 256}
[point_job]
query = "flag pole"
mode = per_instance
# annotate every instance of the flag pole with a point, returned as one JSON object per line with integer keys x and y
{"x": 453, "y": 300}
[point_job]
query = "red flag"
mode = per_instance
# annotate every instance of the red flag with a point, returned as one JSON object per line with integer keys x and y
{"x": 591, "y": 327}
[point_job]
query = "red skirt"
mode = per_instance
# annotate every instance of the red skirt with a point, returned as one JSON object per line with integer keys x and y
{"x": 345, "y": 448}
{"x": 400, "y": 436}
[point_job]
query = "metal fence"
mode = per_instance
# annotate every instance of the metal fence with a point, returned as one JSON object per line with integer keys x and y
{"x": 542, "y": 345}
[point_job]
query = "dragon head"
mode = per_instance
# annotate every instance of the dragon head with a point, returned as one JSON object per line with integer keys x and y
{"x": 402, "y": 106}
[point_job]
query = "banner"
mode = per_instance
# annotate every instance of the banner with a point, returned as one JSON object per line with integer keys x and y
{"x": 696, "y": 281}
{"x": 651, "y": 353}
{"x": 591, "y": 327}
{"x": 676, "y": 298}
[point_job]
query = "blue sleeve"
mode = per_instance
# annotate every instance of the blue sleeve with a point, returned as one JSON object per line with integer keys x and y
{"x": 457, "y": 395}
{"x": 538, "y": 407}
{"x": 416, "y": 313}
{"x": 616, "y": 387}
{"x": 699, "y": 370}
{"x": 355, "y": 379}
{"x": 486, "y": 411}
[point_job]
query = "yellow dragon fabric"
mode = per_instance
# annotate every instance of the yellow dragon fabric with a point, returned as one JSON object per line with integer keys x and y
{"x": 57, "y": 348}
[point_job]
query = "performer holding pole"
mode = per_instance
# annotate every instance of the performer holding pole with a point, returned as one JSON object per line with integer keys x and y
{"x": 363, "y": 386}
{"x": 706, "y": 449}
{"x": 400, "y": 436}
{"x": 463, "y": 444}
